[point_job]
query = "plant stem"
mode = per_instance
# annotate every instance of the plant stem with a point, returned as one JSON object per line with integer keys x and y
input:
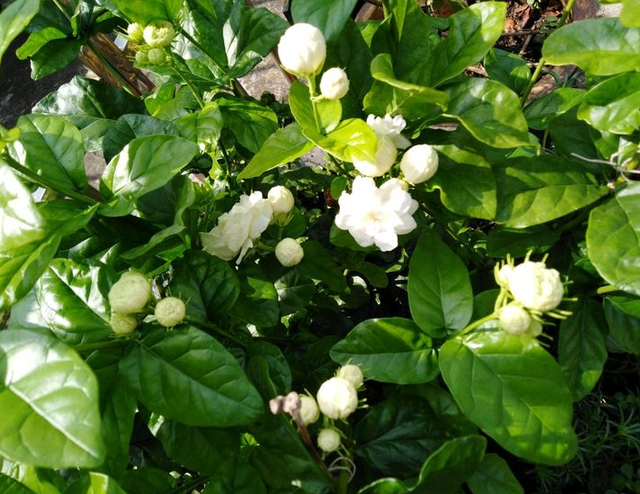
{"x": 343, "y": 482}
{"x": 314, "y": 103}
{"x": 186, "y": 81}
{"x": 536, "y": 74}
{"x": 477, "y": 323}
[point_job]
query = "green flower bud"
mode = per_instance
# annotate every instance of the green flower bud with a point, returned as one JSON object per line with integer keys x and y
{"x": 170, "y": 311}
{"x": 159, "y": 33}
{"x": 123, "y": 323}
{"x": 328, "y": 440}
{"x": 130, "y": 293}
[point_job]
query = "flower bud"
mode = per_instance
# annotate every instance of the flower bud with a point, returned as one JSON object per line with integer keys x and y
{"x": 134, "y": 31}
{"x": 334, "y": 83}
{"x": 536, "y": 287}
{"x": 535, "y": 329}
{"x": 159, "y": 33}
{"x": 351, "y": 373}
{"x": 337, "y": 398}
{"x": 289, "y": 252}
{"x": 123, "y": 323}
{"x": 130, "y": 293}
{"x": 281, "y": 199}
{"x": 142, "y": 57}
{"x": 309, "y": 411}
{"x": 328, "y": 440}
{"x": 302, "y": 49}
{"x": 514, "y": 319}
{"x": 170, "y": 311}
{"x": 156, "y": 56}
{"x": 419, "y": 163}
{"x": 386, "y": 154}
{"x": 504, "y": 275}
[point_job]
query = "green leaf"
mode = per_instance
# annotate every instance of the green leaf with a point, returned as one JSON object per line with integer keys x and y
{"x": 507, "y": 68}
{"x": 54, "y": 56}
{"x": 582, "y": 350}
{"x": 329, "y": 17}
{"x": 440, "y": 296}
{"x": 49, "y": 403}
{"x": 203, "y": 126}
{"x": 37, "y": 480}
{"x": 14, "y": 18}
{"x": 130, "y": 126}
{"x": 494, "y": 476}
{"x": 147, "y": 480}
{"x": 518, "y": 241}
{"x": 206, "y": 450}
{"x": 11, "y": 486}
{"x": 241, "y": 478}
{"x": 257, "y": 303}
{"x": 535, "y": 190}
{"x": 295, "y": 291}
{"x": 145, "y": 11}
{"x": 318, "y": 264}
{"x": 51, "y": 147}
{"x": 613, "y": 105}
{"x": 250, "y": 122}
{"x": 613, "y": 239}
{"x": 472, "y": 33}
{"x": 25, "y": 244}
{"x": 187, "y": 375}
{"x": 448, "y": 467}
{"x": 624, "y": 324}
{"x": 145, "y": 164}
{"x": 541, "y": 111}
{"x": 466, "y": 181}
{"x": 512, "y": 389}
{"x": 280, "y": 148}
{"x": 630, "y": 13}
{"x": 277, "y": 365}
{"x": 490, "y": 111}
{"x": 94, "y": 483}
{"x": 389, "y": 350}
{"x": 66, "y": 217}
{"x": 600, "y": 46}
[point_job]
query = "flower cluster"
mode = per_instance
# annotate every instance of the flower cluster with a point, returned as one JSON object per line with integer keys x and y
{"x": 127, "y": 297}
{"x": 528, "y": 291}
{"x": 151, "y": 41}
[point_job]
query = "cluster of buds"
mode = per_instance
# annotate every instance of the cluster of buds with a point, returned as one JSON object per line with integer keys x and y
{"x": 528, "y": 292}
{"x": 336, "y": 399}
{"x": 151, "y": 41}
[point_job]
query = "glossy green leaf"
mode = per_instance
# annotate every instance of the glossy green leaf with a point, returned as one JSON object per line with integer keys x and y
{"x": 145, "y": 164}
{"x": 48, "y": 403}
{"x": 541, "y": 111}
{"x": 582, "y": 350}
{"x": 187, "y": 375}
{"x": 203, "y": 126}
{"x": 145, "y": 11}
{"x": 613, "y": 105}
{"x": 37, "y": 480}
{"x": 571, "y": 136}
{"x": 130, "y": 126}
{"x": 490, "y": 111}
{"x": 385, "y": 486}
{"x": 535, "y": 190}
{"x": 241, "y": 478}
{"x": 512, "y": 389}
{"x": 472, "y": 33}
{"x": 450, "y": 465}
{"x": 507, "y": 68}
{"x": 51, "y": 147}
{"x": 257, "y": 303}
{"x": 14, "y": 18}
{"x": 518, "y": 241}
{"x": 494, "y": 476}
{"x": 624, "y": 324}
{"x": 11, "y": 486}
{"x": 329, "y": 17}
{"x": 209, "y": 284}
{"x": 613, "y": 239}
{"x": 66, "y": 217}
{"x": 38, "y": 39}
{"x": 466, "y": 182}
{"x": 250, "y": 122}
{"x": 600, "y": 46}
{"x": 318, "y": 264}
{"x": 277, "y": 365}
{"x": 630, "y": 13}
{"x": 54, "y": 56}
{"x": 25, "y": 245}
{"x": 206, "y": 450}
{"x": 294, "y": 291}
{"x": 389, "y": 350}
{"x": 95, "y": 483}
{"x": 280, "y": 148}
{"x": 147, "y": 480}
{"x": 440, "y": 296}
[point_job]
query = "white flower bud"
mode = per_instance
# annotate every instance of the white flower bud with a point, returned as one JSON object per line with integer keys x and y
{"x": 514, "y": 319}
{"x": 156, "y": 56}
{"x": 130, "y": 293}
{"x": 351, "y": 373}
{"x": 337, "y": 398}
{"x": 309, "y": 411}
{"x": 142, "y": 57}
{"x": 302, "y": 49}
{"x": 334, "y": 83}
{"x": 419, "y": 163}
{"x": 123, "y": 323}
{"x": 170, "y": 311}
{"x": 386, "y": 154}
{"x": 289, "y": 252}
{"x": 281, "y": 199}
{"x": 504, "y": 275}
{"x": 536, "y": 287}
{"x": 329, "y": 440}
{"x": 158, "y": 33}
{"x": 134, "y": 31}
{"x": 535, "y": 329}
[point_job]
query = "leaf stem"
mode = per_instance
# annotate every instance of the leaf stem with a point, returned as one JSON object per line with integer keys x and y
{"x": 314, "y": 103}
{"x": 477, "y": 323}
{"x": 607, "y": 289}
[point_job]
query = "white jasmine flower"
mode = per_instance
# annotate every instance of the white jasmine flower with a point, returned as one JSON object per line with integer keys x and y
{"x": 391, "y": 127}
{"x": 386, "y": 154}
{"x": 289, "y": 252}
{"x": 134, "y": 31}
{"x": 130, "y": 293}
{"x": 419, "y": 163}
{"x": 329, "y": 440}
{"x": 170, "y": 311}
{"x": 158, "y": 33}
{"x": 376, "y": 216}
{"x": 123, "y": 323}
{"x": 334, "y": 83}
{"x": 302, "y": 49}
{"x": 514, "y": 319}
{"x": 536, "y": 287}
{"x": 236, "y": 230}
{"x": 351, "y": 373}
{"x": 309, "y": 411}
{"x": 337, "y": 398}
{"x": 281, "y": 199}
